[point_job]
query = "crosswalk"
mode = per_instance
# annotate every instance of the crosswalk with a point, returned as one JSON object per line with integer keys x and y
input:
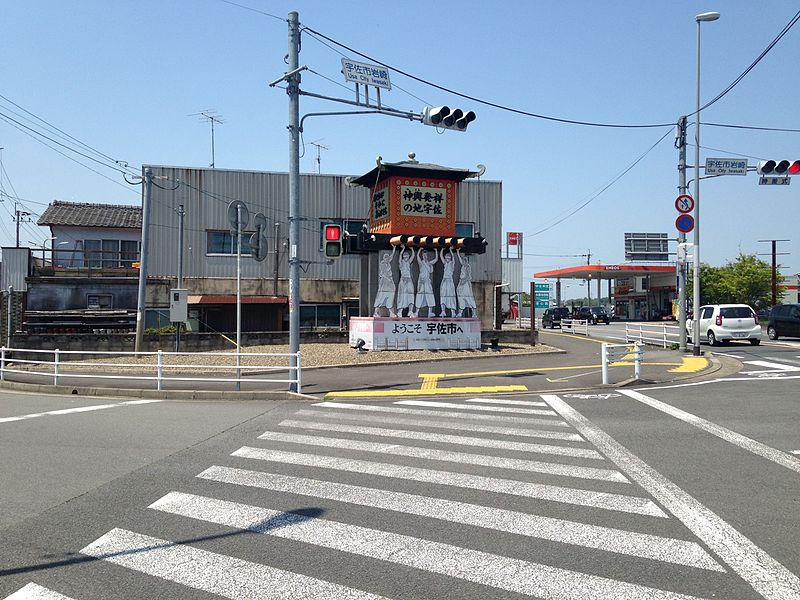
{"x": 484, "y": 498}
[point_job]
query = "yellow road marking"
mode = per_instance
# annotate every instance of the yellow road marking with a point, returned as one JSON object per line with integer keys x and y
{"x": 429, "y": 380}
{"x": 691, "y": 364}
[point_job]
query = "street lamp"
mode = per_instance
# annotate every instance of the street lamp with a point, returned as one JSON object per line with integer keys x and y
{"x": 708, "y": 16}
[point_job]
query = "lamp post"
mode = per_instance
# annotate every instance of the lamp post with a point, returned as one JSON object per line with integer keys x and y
{"x": 708, "y": 16}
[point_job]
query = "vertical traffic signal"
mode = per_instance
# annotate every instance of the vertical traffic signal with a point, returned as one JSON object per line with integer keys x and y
{"x": 332, "y": 240}
{"x": 447, "y": 118}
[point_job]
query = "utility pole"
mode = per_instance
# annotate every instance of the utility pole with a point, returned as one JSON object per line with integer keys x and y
{"x": 277, "y": 257}
{"x": 680, "y": 265}
{"x": 140, "y": 308}
{"x": 775, "y": 254}
{"x": 20, "y": 216}
{"x": 293, "y": 91}
{"x": 181, "y": 214}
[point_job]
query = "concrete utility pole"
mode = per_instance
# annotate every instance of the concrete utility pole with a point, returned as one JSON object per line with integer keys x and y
{"x": 680, "y": 266}
{"x": 140, "y": 306}
{"x": 293, "y": 91}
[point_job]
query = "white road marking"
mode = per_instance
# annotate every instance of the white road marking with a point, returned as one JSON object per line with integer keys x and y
{"x": 497, "y": 409}
{"x": 446, "y": 438}
{"x": 434, "y": 557}
{"x": 442, "y": 413}
{"x": 463, "y": 458}
{"x": 433, "y": 424}
{"x": 766, "y": 575}
{"x": 609, "y": 539}
{"x": 551, "y": 493}
{"x": 211, "y": 572}
{"x": 509, "y": 402}
{"x": 737, "y": 439}
{"x": 78, "y": 409}
{"x": 33, "y": 591}
{"x": 768, "y": 367}
{"x": 795, "y": 451}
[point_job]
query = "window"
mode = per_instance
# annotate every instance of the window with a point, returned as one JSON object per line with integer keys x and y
{"x": 110, "y": 254}
{"x": 320, "y": 315}
{"x": 92, "y": 250}
{"x": 222, "y": 242}
{"x": 737, "y": 312}
{"x": 465, "y": 229}
{"x": 707, "y": 312}
{"x": 100, "y": 301}
{"x": 129, "y": 252}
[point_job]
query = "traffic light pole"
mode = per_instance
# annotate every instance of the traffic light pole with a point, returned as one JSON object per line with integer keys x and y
{"x": 680, "y": 265}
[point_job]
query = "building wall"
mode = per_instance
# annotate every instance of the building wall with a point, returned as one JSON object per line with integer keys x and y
{"x": 68, "y": 248}
{"x": 207, "y": 193}
{"x": 69, "y": 293}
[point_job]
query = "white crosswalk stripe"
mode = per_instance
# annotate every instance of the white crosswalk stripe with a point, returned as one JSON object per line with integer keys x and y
{"x": 507, "y": 401}
{"x": 443, "y": 413}
{"x": 535, "y": 466}
{"x": 463, "y": 563}
{"x": 496, "y": 409}
{"x": 33, "y": 591}
{"x": 212, "y": 572}
{"x": 560, "y": 530}
{"x": 553, "y": 493}
{"x": 448, "y": 424}
{"x": 444, "y": 438}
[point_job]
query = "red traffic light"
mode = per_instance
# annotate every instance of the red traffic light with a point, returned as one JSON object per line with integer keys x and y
{"x": 333, "y": 233}
{"x": 794, "y": 168}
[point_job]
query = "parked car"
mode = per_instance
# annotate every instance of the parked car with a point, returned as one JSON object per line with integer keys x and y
{"x": 726, "y": 322}
{"x": 593, "y": 314}
{"x": 553, "y": 316}
{"x": 784, "y": 320}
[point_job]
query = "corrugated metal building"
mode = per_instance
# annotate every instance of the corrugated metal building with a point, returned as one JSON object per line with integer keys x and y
{"x": 328, "y": 292}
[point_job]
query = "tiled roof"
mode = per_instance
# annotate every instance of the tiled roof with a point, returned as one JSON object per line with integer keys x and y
{"x": 84, "y": 214}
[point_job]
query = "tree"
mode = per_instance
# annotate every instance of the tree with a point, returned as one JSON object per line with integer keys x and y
{"x": 744, "y": 280}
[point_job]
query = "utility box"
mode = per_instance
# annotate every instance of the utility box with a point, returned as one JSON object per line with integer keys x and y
{"x": 178, "y": 305}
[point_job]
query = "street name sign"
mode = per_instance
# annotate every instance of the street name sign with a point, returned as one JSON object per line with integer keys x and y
{"x": 726, "y": 166}
{"x": 365, "y": 73}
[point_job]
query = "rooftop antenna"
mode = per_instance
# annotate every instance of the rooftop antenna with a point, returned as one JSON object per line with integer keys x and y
{"x": 319, "y": 147}
{"x": 210, "y": 116}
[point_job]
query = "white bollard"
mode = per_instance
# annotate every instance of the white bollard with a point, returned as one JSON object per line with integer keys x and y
{"x": 604, "y": 355}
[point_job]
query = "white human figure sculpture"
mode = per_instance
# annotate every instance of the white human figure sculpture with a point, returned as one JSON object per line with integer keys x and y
{"x": 386, "y": 287}
{"x": 425, "y": 297}
{"x": 405, "y": 288}
{"x": 447, "y": 290}
{"x": 464, "y": 291}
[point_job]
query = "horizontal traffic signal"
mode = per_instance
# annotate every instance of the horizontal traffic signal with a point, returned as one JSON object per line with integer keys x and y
{"x": 332, "y": 240}
{"x": 778, "y": 167}
{"x": 447, "y": 118}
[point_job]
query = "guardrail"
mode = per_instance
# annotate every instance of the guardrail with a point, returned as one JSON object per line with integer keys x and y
{"x": 575, "y": 326}
{"x": 655, "y": 334}
{"x": 161, "y": 367}
{"x": 620, "y": 352}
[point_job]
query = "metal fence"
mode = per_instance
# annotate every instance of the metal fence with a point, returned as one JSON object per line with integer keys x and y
{"x": 654, "y": 334}
{"x": 622, "y": 353}
{"x": 580, "y": 326}
{"x": 159, "y": 367}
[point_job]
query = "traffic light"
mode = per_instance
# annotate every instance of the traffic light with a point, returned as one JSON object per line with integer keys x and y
{"x": 333, "y": 240}
{"x": 447, "y": 118}
{"x": 778, "y": 167}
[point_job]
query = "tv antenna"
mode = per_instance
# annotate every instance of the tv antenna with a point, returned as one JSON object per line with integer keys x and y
{"x": 210, "y": 116}
{"x": 319, "y": 147}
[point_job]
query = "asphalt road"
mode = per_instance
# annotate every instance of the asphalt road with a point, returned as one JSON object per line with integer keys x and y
{"x": 687, "y": 489}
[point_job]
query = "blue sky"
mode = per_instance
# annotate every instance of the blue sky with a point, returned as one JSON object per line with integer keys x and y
{"x": 124, "y": 77}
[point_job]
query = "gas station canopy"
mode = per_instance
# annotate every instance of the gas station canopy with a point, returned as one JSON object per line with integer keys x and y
{"x": 599, "y": 271}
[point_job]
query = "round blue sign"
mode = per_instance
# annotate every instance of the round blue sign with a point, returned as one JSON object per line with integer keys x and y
{"x": 684, "y": 223}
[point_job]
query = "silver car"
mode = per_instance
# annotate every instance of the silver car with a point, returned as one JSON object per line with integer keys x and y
{"x": 726, "y": 322}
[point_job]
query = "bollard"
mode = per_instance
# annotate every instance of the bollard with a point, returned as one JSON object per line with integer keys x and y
{"x": 159, "y": 369}
{"x": 637, "y": 360}
{"x": 55, "y": 367}
{"x": 604, "y": 362}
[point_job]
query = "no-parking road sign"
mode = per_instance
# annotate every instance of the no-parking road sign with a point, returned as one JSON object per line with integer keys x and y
{"x": 684, "y": 223}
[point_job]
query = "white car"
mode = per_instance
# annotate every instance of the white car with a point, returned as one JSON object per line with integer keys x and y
{"x": 726, "y": 322}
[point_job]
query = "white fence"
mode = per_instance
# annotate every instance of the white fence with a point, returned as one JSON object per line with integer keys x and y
{"x": 160, "y": 367}
{"x": 575, "y": 326}
{"x": 622, "y": 352}
{"x": 655, "y": 334}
